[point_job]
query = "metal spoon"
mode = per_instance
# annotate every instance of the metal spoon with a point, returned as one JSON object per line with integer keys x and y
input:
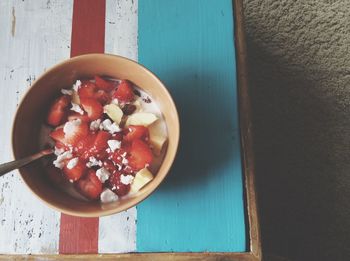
{"x": 16, "y": 164}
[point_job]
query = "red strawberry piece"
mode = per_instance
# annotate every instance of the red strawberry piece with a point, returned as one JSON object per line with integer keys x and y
{"x": 140, "y": 155}
{"x": 76, "y": 132}
{"x": 55, "y": 175}
{"x": 117, "y": 136}
{"x": 103, "y": 84}
{"x": 98, "y": 146}
{"x": 100, "y": 143}
{"x": 108, "y": 164}
{"x": 58, "y": 135}
{"x": 118, "y": 156}
{"x": 92, "y": 107}
{"x": 89, "y": 90}
{"x": 76, "y": 172}
{"x": 82, "y": 148}
{"x": 90, "y": 186}
{"x": 58, "y": 110}
{"x": 102, "y": 97}
{"x": 136, "y": 132}
{"x": 75, "y": 115}
{"x": 128, "y": 170}
{"x": 116, "y": 185}
{"x": 124, "y": 92}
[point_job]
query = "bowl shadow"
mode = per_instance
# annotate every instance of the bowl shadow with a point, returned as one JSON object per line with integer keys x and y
{"x": 209, "y": 138}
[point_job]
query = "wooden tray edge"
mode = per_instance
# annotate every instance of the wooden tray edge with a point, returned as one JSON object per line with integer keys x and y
{"x": 246, "y": 131}
{"x": 255, "y": 252}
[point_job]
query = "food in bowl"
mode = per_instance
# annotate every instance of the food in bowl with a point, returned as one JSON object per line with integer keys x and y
{"x": 109, "y": 139}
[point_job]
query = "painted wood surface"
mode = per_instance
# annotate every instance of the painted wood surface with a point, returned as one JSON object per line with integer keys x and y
{"x": 37, "y": 35}
{"x": 31, "y": 40}
{"x": 117, "y": 233}
{"x": 77, "y": 234}
{"x": 190, "y": 46}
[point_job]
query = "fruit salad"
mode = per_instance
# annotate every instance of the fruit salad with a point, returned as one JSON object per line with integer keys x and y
{"x": 108, "y": 138}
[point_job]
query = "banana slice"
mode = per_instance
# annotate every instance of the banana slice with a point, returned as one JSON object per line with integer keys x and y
{"x": 141, "y": 118}
{"x": 142, "y": 178}
{"x": 156, "y": 137}
{"x": 114, "y": 112}
{"x": 75, "y": 97}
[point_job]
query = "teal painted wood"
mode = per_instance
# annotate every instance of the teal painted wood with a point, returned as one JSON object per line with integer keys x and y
{"x": 189, "y": 44}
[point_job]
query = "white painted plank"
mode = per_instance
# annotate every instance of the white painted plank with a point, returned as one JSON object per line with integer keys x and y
{"x": 117, "y": 233}
{"x": 34, "y": 35}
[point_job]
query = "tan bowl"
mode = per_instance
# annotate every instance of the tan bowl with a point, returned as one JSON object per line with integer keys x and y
{"x": 33, "y": 108}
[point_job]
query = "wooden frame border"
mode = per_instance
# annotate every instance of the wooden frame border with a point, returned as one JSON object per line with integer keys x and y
{"x": 254, "y": 253}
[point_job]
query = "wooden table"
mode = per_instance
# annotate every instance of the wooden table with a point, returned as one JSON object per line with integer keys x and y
{"x": 206, "y": 209}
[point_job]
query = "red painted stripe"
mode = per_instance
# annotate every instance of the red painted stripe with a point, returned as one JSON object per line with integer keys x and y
{"x": 88, "y": 29}
{"x": 80, "y": 235}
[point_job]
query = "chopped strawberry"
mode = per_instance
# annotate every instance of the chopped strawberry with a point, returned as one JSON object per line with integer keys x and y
{"x": 58, "y": 135}
{"x": 95, "y": 145}
{"x": 102, "y": 97}
{"x": 136, "y": 132}
{"x": 93, "y": 108}
{"x": 117, "y": 136}
{"x": 124, "y": 92}
{"x": 76, "y": 132}
{"x": 118, "y": 156}
{"x": 140, "y": 155}
{"x": 58, "y": 110}
{"x": 103, "y": 84}
{"x": 116, "y": 185}
{"x": 89, "y": 90}
{"x": 82, "y": 148}
{"x": 108, "y": 164}
{"x": 76, "y": 172}
{"x": 75, "y": 115}
{"x": 55, "y": 175}
{"x": 101, "y": 140}
{"x": 90, "y": 186}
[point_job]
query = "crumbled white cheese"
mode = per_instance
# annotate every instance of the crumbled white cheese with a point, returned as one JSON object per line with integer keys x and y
{"x": 58, "y": 151}
{"x": 93, "y": 162}
{"x": 77, "y": 108}
{"x": 77, "y": 85}
{"x": 95, "y": 125}
{"x": 109, "y": 126}
{"x": 119, "y": 167}
{"x": 125, "y": 161}
{"x": 114, "y": 144}
{"x": 108, "y": 195}
{"x": 102, "y": 174}
{"x": 67, "y": 92}
{"x": 72, "y": 163}
{"x": 115, "y": 101}
{"x": 108, "y": 150}
{"x": 126, "y": 180}
{"x": 70, "y": 126}
{"x": 59, "y": 162}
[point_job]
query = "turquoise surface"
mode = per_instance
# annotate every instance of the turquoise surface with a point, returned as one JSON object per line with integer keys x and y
{"x": 200, "y": 207}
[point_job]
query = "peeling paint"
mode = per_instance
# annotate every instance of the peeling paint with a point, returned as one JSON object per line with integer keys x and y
{"x": 13, "y": 24}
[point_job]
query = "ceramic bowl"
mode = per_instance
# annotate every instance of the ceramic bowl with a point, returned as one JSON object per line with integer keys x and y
{"x": 33, "y": 108}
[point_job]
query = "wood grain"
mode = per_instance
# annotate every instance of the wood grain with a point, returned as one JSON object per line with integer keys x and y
{"x": 80, "y": 235}
{"x": 246, "y": 132}
{"x": 31, "y": 40}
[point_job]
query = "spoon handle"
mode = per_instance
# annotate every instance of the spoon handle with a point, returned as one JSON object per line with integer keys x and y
{"x": 7, "y": 167}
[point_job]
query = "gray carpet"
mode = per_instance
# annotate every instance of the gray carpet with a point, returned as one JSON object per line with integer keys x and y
{"x": 299, "y": 64}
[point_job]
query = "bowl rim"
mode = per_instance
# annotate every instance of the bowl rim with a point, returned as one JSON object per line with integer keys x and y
{"x": 134, "y": 201}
